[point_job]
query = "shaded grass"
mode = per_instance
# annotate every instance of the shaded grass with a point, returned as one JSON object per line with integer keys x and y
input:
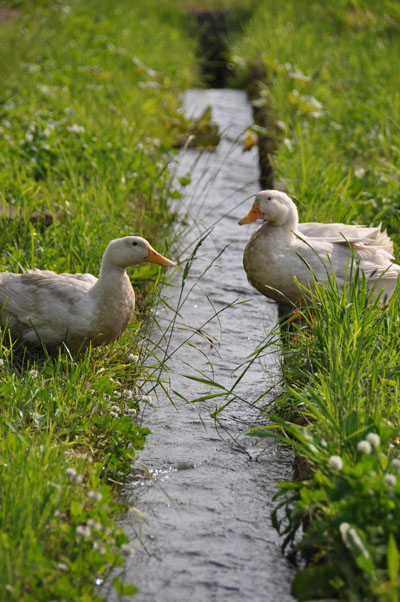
{"x": 85, "y": 108}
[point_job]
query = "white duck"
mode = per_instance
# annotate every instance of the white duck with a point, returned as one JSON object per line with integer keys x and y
{"x": 282, "y": 249}
{"x": 42, "y": 307}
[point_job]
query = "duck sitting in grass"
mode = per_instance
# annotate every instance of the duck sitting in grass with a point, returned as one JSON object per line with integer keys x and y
{"x": 41, "y": 307}
{"x": 281, "y": 250}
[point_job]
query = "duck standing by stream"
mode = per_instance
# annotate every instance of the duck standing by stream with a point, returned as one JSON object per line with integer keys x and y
{"x": 282, "y": 251}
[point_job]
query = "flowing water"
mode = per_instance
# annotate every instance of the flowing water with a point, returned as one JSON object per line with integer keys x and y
{"x": 204, "y": 523}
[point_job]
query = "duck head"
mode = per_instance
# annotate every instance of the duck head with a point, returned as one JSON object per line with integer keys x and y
{"x": 275, "y": 207}
{"x": 131, "y": 250}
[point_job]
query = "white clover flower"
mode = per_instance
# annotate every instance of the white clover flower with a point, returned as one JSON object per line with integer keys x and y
{"x": 61, "y": 566}
{"x": 94, "y": 524}
{"x": 76, "y": 129}
{"x": 288, "y": 143}
{"x": 131, "y": 411}
{"x": 34, "y": 373}
{"x": 115, "y": 408}
{"x": 147, "y": 399}
{"x": 1, "y": 363}
{"x": 390, "y": 480}
{"x": 97, "y": 546}
{"x": 374, "y": 439}
{"x": 127, "y": 394}
{"x": 132, "y": 357}
{"x": 85, "y": 457}
{"x": 116, "y": 394}
{"x": 96, "y": 496}
{"x": 83, "y": 531}
{"x": 73, "y": 475}
{"x": 114, "y": 414}
{"x": 335, "y": 462}
{"x": 396, "y": 464}
{"x": 364, "y": 447}
{"x": 359, "y": 172}
{"x": 71, "y": 472}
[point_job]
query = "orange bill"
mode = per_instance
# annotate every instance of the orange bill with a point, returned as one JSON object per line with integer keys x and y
{"x": 154, "y": 257}
{"x": 253, "y": 215}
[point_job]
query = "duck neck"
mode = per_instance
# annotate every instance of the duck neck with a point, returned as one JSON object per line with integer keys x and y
{"x": 292, "y": 221}
{"x": 285, "y": 232}
{"x": 111, "y": 277}
{"x": 288, "y": 218}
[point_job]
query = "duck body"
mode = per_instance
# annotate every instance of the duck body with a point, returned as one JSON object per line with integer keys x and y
{"x": 337, "y": 232}
{"x": 280, "y": 251}
{"x": 42, "y": 307}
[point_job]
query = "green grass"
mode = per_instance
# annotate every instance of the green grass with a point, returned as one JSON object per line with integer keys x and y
{"x": 339, "y": 411}
{"x": 332, "y": 87}
{"x": 89, "y": 120}
{"x": 88, "y": 112}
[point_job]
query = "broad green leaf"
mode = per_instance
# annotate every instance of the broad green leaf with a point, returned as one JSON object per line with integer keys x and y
{"x": 124, "y": 590}
{"x": 76, "y": 508}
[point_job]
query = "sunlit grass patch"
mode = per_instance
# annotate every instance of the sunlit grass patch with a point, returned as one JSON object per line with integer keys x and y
{"x": 332, "y": 90}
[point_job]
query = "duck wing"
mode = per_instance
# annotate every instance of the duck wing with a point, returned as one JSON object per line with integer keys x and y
{"x": 45, "y": 305}
{"x": 322, "y": 256}
{"x": 348, "y": 233}
{"x": 89, "y": 279}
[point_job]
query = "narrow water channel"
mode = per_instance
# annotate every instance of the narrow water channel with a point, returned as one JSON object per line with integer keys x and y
{"x": 204, "y": 525}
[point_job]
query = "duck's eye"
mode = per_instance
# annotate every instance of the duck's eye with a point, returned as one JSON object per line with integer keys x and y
{"x": 270, "y": 198}
{"x": 134, "y": 244}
